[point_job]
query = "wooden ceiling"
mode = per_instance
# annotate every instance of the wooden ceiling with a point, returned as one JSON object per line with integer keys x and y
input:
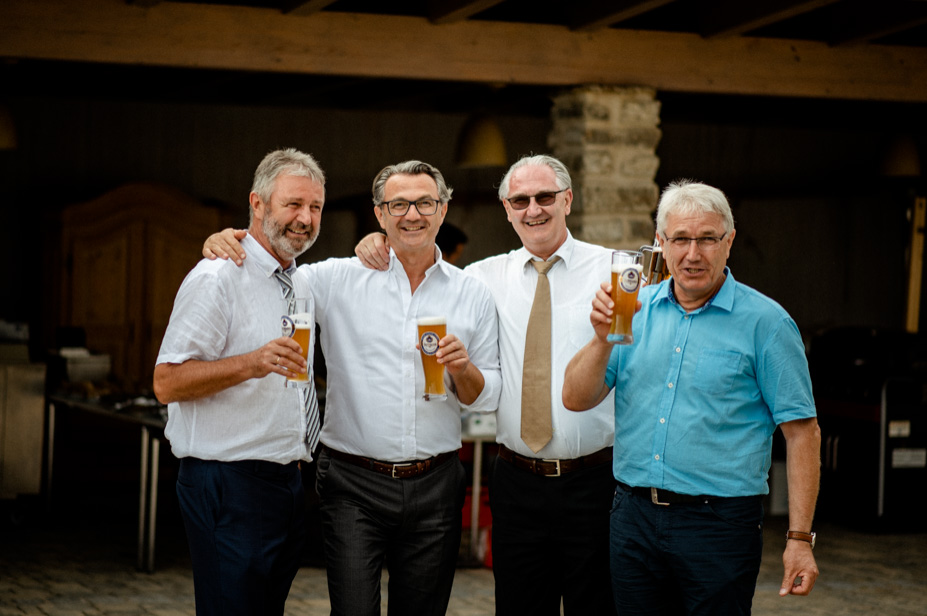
{"x": 456, "y": 54}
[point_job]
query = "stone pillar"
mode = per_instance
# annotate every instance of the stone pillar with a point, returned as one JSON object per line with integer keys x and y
{"x": 607, "y": 137}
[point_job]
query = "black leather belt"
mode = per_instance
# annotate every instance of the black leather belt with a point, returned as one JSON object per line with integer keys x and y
{"x": 554, "y": 467}
{"x": 665, "y": 497}
{"x": 396, "y": 470}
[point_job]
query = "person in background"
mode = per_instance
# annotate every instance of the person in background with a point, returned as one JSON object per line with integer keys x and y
{"x": 714, "y": 369}
{"x": 389, "y": 479}
{"x": 451, "y": 240}
{"x": 239, "y": 432}
{"x": 550, "y": 494}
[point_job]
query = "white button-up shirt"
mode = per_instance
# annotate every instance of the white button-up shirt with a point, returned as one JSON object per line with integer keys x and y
{"x": 223, "y": 310}
{"x": 573, "y": 284}
{"x": 368, "y": 319}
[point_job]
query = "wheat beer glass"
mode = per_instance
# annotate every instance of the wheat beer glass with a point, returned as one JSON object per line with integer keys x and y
{"x": 430, "y": 332}
{"x": 626, "y": 281}
{"x": 297, "y": 324}
{"x": 656, "y": 268}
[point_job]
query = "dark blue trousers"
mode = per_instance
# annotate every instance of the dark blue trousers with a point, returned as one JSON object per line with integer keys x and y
{"x": 245, "y": 524}
{"x": 411, "y": 525}
{"x": 697, "y": 559}
{"x": 550, "y": 541}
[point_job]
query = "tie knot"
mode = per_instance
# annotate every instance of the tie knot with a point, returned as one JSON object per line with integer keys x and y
{"x": 285, "y": 282}
{"x": 544, "y": 266}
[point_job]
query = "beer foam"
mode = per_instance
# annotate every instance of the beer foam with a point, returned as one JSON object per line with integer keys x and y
{"x": 617, "y": 268}
{"x": 432, "y": 321}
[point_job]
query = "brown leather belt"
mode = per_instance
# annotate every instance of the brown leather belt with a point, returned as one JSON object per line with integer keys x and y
{"x": 396, "y": 470}
{"x": 554, "y": 468}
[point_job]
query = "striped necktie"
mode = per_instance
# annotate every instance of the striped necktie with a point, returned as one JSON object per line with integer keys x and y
{"x": 309, "y": 399}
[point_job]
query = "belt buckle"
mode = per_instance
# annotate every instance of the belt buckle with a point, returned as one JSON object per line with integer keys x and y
{"x": 557, "y": 463}
{"x": 395, "y": 466}
{"x": 655, "y": 499}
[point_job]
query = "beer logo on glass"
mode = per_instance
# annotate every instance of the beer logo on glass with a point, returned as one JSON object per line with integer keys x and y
{"x": 429, "y": 343}
{"x": 629, "y": 280}
{"x": 287, "y": 326}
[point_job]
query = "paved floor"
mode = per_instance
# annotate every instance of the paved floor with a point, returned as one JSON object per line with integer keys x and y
{"x": 86, "y": 567}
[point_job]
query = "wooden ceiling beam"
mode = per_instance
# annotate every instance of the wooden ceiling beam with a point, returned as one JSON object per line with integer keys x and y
{"x": 864, "y": 24}
{"x": 332, "y": 43}
{"x": 450, "y": 11}
{"x": 736, "y": 17}
{"x": 305, "y": 7}
{"x": 594, "y": 16}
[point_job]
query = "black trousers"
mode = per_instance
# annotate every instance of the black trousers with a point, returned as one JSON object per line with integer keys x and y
{"x": 550, "y": 541}
{"x": 412, "y": 526}
{"x": 245, "y": 523}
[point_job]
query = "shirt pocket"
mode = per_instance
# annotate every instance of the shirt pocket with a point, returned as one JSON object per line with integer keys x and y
{"x": 579, "y": 327}
{"x": 716, "y": 370}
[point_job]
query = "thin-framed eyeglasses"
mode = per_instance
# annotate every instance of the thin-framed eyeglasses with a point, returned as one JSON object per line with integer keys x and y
{"x": 400, "y": 207}
{"x": 545, "y": 198}
{"x": 706, "y": 242}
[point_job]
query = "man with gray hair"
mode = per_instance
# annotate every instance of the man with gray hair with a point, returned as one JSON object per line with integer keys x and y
{"x": 551, "y": 486}
{"x": 238, "y": 431}
{"x": 390, "y": 482}
{"x": 714, "y": 369}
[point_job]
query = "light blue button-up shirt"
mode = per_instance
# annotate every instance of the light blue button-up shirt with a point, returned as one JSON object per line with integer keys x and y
{"x": 698, "y": 395}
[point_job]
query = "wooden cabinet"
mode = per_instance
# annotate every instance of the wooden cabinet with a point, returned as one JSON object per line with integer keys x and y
{"x": 125, "y": 255}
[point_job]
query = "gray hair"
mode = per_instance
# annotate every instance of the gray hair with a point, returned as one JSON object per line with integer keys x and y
{"x": 537, "y": 160}
{"x": 410, "y": 167}
{"x": 289, "y": 161}
{"x": 684, "y": 197}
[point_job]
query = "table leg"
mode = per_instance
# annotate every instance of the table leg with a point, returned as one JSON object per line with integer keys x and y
{"x": 49, "y": 457}
{"x": 475, "y": 498}
{"x": 153, "y": 501}
{"x": 143, "y": 496}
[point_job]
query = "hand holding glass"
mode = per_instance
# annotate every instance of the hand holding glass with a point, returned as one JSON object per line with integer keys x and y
{"x": 430, "y": 332}
{"x": 297, "y": 324}
{"x": 626, "y": 282}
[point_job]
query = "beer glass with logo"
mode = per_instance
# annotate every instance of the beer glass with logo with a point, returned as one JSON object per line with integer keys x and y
{"x": 297, "y": 324}
{"x": 430, "y": 332}
{"x": 626, "y": 282}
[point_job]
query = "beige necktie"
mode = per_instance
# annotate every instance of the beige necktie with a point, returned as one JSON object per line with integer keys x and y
{"x": 536, "y": 429}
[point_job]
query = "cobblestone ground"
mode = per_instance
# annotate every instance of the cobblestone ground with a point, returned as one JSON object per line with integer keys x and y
{"x": 89, "y": 569}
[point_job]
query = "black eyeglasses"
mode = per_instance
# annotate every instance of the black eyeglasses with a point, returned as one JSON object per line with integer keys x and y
{"x": 400, "y": 207}
{"x": 542, "y": 198}
{"x": 704, "y": 243}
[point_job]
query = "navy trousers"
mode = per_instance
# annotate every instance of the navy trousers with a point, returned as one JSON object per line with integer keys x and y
{"x": 245, "y": 523}
{"x": 550, "y": 541}
{"x": 412, "y": 526}
{"x": 697, "y": 559}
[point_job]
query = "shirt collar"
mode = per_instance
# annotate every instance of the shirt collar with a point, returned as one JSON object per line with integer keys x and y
{"x": 723, "y": 298}
{"x": 439, "y": 264}
{"x": 265, "y": 261}
{"x": 565, "y": 252}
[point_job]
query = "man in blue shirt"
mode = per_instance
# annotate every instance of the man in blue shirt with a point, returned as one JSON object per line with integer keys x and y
{"x": 714, "y": 368}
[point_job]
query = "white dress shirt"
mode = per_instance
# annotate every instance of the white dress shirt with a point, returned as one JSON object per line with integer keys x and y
{"x": 223, "y": 310}
{"x": 368, "y": 319}
{"x": 573, "y": 284}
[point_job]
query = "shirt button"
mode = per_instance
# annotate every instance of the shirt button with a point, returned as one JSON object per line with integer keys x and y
{"x": 670, "y": 385}
{"x": 656, "y": 457}
{"x": 663, "y": 420}
{"x": 678, "y": 349}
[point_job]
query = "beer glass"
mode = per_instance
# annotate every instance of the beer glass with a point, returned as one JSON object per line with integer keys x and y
{"x": 430, "y": 332}
{"x": 626, "y": 281}
{"x": 297, "y": 324}
{"x": 656, "y": 268}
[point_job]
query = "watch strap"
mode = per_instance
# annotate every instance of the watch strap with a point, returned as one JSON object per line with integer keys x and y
{"x": 800, "y": 536}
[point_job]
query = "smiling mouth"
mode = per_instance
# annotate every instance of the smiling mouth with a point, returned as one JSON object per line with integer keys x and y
{"x": 536, "y": 223}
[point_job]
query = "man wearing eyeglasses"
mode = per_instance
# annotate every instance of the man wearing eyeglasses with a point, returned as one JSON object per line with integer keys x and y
{"x": 715, "y": 367}
{"x": 550, "y": 498}
{"x": 389, "y": 479}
